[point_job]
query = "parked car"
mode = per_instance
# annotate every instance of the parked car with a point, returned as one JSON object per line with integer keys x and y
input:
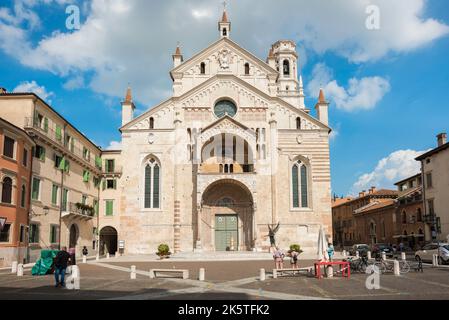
{"x": 361, "y": 248}
{"x": 429, "y": 250}
{"x": 378, "y": 248}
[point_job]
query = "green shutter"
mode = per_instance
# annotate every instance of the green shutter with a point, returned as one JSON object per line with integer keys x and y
{"x": 304, "y": 190}
{"x": 36, "y": 119}
{"x": 295, "y": 187}
{"x": 109, "y": 208}
{"x": 98, "y": 162}
{"x": 113, "y": 165}
{"x": 42, "y": 154}
{"x": 104, "y": 184}
{"x": 58, "y": 133}
{"x": 67, "y": 166}
{"x": 64, "y": 199}
{"x": 106, "y": 165}
{"x": 115, "y": 184}
{"x": 46, "y": 124}
{"x": 62, "y": 164}
{"x": 86, "y": 176}
{"x": 35, "y": 190}
{"x": 72, "y": 144}
{"x": 54, "y": 195}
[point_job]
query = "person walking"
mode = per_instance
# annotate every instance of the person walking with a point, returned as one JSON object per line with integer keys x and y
{"x": 331, "y": 252}
{"x": 279, "y": 258}
{"x": 61, "y": 263}
{"x": 294, "y": 259}
{"x": 85, "y": 251}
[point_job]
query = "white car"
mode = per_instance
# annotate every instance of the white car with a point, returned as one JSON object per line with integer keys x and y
{"x": 429, "y": 250}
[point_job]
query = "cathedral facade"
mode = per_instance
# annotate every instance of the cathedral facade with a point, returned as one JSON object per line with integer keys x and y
{"x": 233, "y": 153}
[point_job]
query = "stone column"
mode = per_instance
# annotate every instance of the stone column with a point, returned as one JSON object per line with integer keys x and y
{"x": 198, "y": 246}
{"x": 177, "y": 161}
{"x": 274, "y": 167}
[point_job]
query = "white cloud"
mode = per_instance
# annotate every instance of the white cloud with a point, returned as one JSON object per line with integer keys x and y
{"x": 395, "y": 167}
{"x": 361, "y": 94}
{"x": 76, "y": 82}
{"x": 132, "y": 41}
{"x": 32, "y": 86}
{"x": 114, "y": 145}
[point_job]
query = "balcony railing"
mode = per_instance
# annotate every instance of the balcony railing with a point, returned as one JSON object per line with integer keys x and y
{"x": 113, "y": 171}
{"x": 76, "y": 210}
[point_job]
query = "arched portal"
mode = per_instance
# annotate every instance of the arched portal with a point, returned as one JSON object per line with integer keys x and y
{"x": 227, "y": 215}
{"x": 108, "y": 240}
{"x": 74, "y": 236}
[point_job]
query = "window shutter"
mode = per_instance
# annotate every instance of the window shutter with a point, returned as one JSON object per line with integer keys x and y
{"x": 58, "y": 133}
{"x": 104, "y": 184}
{"x": 46, "y": 124}
{"x": 295, "y": 188}
{"x": 106, "y": 165}
{"x": 42, "y": 154}
{"x": 115, "y": 184}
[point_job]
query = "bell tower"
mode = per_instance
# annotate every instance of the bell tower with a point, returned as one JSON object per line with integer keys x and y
{"x": 224, "y": 26}
{"x": 286, "y": 61}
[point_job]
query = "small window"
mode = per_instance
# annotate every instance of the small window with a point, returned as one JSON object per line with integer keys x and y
{"x": 151, "y": 123}
{"x": 203, "y": 68}
{"x": 4, "y": 234}
{"x": 22, "y": 234}
{"x": 35, "y": 189}
{"x": 54, "y": 234}
{"x": 111, "y": 184}
{"x": 225, "y": 32}
{"x": 25, "y": 157}
{"x": 54, "y": 195}
{"x": 23, "y": 197}
{"x": 247, "y": 69}
{"x": 39, "y": 153}
{"x": 34, "y": 233}
{"x": 58, "y": 160}
{"x": 429, "y": 180}
{"x": 286, "y": 68}
{"x": 298, "y": 123}
{"x": 8, "y": 147}
{"x": 86, "y": 154}
{"x": 110, "y": 166}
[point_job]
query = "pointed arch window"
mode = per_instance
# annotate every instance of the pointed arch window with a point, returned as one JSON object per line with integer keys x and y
{"x": 152, "y": 185}
{"x": 300, "y": 185}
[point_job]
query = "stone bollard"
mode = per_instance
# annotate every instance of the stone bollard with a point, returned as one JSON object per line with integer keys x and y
{"x": 384, "y": 256}
{"x": 275, "y": 274}
{"x": 330, "y": 272}
{"x": 262, "y": 275}
{"x": 344, "y": 254}
{"x": 368, "y": 254}
{"x": 84, "y": 259}
{"x": 20, "y": 270}
{"x": 97, "y": 258}
{"x": 435, "y": 260}
{"x": 403, "y": 256}
{"x": 117, "y": 254}
{"x": 133, "y": 273}
{"x": 397, "y": 269}
{"x": 108, "y": 255}
{"x": 202, "y": 275}
{"x": 357, "y": 254}
{"x": 73, "y": 281}
{"x": 14, "y": 267}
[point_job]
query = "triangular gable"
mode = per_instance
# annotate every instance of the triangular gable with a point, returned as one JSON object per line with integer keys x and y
{"x": 240, "y": 82}
{"x": 199, "y": 57}
{"x": 226, "y": 118}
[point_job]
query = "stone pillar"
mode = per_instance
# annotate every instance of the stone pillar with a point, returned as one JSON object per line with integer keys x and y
{"x": 435, "y": 260}
{"x": 20, "y": 270}
{"x": 403, "y": 256}
{"x": 330, "y": 272}
{"x": 274, "y": 167}
{"x": 262, "y": 275}
{"x": 369, "y": 255}
{"x": 133, "y": 273}
{"x": 198, "y": 246}
{"x": 178, "y": 160}
{"x": 384, "y": 256}
{"x": 397, "y": 270}
{"x": 84, "y": 259}
{"x": 255, "y": 231}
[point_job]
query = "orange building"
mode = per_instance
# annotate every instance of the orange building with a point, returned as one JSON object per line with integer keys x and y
{"x": 16, "y": 150}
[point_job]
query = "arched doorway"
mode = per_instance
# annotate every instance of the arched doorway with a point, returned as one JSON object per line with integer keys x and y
{"x": 108, "y": 240}
{"x": 73, "y": 237}
{"x": 227, "y": 217}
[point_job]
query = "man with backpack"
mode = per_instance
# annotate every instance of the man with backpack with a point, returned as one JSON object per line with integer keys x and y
{"x": 61, "y": 262}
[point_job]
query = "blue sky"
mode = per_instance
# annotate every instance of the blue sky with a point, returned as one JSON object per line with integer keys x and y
{"x": 391, "y": 110}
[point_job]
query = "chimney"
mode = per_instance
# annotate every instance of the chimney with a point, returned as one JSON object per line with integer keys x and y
{"x": 372, "y": 190}
{"x": 3, "y": 90}
{"x": 442, "y": 139}
{"x": 362, "y": 194}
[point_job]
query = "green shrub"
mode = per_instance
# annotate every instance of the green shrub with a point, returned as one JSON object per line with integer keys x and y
{"x": 163, "y": 250}
{"x": 296, "y": 247}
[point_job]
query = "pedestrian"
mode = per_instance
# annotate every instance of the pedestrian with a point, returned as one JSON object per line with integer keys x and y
{"x": 72, "y": 252}
{"x": 279, "y": 258}
{"x": 331, "y": 252}
{"x": 85, "y": 251}
{"x": 294, "y": 259}
{"x": 61, "y": 262}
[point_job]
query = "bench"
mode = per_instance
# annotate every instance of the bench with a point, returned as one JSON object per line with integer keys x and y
{"x": 154, "y": 273}
{"x": 290, "y": 272}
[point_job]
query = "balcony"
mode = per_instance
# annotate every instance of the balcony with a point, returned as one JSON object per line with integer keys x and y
{"x": 430, "y": 219}
{"x": 79, "y": 212}
{"x": 113, "y": 172}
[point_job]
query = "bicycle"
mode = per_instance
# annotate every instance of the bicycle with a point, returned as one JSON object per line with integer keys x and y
{"x": 384, "y": 266}
{"x": 358, "y": 264}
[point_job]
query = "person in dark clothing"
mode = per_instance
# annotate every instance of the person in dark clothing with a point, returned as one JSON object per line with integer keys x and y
{"x": 85, "y": 251}
{"x": 61, "y": 262}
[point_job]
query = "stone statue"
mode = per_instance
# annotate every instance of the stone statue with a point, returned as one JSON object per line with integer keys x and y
{"x": 224, "y": 58}
{"x": 272, "y": 233}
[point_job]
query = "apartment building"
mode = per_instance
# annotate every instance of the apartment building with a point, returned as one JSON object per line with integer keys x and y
{"x": 16, "y": 149}
{"x": 66, "y": 176}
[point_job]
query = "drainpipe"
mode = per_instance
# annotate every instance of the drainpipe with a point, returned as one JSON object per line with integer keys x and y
{"x": 30, "y": 183}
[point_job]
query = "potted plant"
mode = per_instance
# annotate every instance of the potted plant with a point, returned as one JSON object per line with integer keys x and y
{"x": 296, "y": 248}
{"x": 163, "y": 251}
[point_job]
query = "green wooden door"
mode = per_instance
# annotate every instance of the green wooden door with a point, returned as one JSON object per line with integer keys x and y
{"x": 226, "y": 229}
